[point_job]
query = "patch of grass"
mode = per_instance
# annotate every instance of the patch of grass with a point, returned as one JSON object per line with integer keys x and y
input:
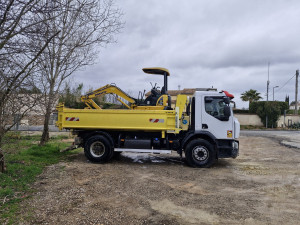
{"x": 59, "y": 137}
{"x": 25, "y": 160}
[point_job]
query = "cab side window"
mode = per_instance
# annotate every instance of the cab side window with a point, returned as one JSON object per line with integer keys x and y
{"x": 214, "y": 106}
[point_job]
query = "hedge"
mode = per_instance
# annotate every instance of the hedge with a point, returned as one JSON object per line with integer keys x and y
{"x": 270, "y": 109}
{"x": 281, "y": 105}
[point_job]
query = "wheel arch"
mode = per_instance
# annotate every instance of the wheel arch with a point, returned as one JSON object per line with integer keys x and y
{"x": 195, "y": 135}
{"x": 87, "y": 134}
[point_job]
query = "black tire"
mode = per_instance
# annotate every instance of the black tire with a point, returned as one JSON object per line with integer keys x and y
{"x": 200, "y": 153}
{"x": 98, "y": 149}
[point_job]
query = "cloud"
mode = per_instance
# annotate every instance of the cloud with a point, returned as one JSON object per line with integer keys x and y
{"x": 225, "y": 44}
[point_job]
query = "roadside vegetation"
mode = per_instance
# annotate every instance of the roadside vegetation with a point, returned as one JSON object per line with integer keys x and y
{"x": 25, "y": 160}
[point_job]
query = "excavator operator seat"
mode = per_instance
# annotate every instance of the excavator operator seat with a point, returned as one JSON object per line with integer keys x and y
{"x": 152, "y": 98}
{"x": 155, "y": 94}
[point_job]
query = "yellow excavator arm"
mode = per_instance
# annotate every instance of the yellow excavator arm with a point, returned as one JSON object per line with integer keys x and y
{"x": 107, "y": 89}
{"x": 157, "y": 101}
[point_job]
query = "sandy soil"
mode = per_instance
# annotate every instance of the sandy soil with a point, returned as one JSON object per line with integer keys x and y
{"x": 261, "y": 186}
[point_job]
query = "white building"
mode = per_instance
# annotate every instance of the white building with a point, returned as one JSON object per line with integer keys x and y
{"x": 292, "y": 105}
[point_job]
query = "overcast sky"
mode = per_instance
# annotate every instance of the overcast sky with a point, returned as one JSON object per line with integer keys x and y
{"x": 226, "y": 44}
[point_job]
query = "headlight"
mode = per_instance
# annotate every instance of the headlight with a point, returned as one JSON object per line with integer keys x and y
{"x": 235, "y": 145}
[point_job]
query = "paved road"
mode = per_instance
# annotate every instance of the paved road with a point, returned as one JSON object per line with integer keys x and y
{"x": 288, "y": 138}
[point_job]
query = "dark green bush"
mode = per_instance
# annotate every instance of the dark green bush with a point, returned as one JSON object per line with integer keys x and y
{"x": 270, "y": 109}
{"x": 281, "y": 105}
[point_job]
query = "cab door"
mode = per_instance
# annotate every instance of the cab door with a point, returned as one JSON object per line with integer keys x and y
{"x": 215, "y": 117}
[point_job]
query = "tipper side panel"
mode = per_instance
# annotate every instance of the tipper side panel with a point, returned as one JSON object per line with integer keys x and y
{"x": 116, "y": 119}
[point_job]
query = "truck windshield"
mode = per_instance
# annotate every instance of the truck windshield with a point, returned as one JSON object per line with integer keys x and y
{"x": 214, "y": 106}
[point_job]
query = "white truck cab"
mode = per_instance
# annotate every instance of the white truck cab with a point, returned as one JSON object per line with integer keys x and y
{"x": 209, "y": 115}
{"x": 214, "y": 127}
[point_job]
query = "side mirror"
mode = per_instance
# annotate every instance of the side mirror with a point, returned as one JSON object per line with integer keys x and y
{"x": 227, "y": 112}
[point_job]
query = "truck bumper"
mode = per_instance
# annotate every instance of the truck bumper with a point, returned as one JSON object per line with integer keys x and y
{"x": 228, "y": 148}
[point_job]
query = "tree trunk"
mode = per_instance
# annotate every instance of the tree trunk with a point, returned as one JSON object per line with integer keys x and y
{"x": 2, "y": 125}
{"x": 2, "y": 133}
{"x": 45, "y": 135}
{"x": 2, "y": 165}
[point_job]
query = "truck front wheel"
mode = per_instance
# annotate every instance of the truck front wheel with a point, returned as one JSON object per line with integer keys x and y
{"x": 98, "y": 149}
{"x": 200, "y": 153}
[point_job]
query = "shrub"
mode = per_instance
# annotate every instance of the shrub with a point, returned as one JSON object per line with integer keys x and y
{"x": 281, "y": 105}
{"x": 269, "y": 109}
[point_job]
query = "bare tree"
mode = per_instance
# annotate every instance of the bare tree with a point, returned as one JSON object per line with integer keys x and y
{"x": 21, "y": 23}
{"x": 85, "y": 26}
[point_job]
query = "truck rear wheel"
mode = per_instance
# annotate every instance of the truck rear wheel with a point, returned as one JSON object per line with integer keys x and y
{"x": 98, "y": 149}
{"x": 200, "y": 153}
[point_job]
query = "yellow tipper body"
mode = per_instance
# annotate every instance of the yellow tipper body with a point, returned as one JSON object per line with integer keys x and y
{"x": 117, "y": 119}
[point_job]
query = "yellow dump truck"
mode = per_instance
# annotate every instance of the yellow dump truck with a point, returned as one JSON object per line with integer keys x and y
{"x": 202, "y": 127}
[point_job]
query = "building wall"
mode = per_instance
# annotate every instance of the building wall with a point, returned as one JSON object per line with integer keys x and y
{"x": 254, "y": 120}
{"x": 282, "y": 122}
{"x": 249, "y": 119}
{"x": 33, "y": 120}
{"x": 293, "y": 106}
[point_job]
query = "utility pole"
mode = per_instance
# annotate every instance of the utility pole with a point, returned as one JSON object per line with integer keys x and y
{"x": 296, "y": 93}
{"x": 268, "y": 83}
{"x": 273, "y": 91}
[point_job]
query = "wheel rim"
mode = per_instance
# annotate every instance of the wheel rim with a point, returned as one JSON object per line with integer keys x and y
{"x": 200, "y": 153}
{"x": 97, "y": 149}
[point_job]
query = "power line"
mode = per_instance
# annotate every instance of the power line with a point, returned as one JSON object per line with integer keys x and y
{"x": 286, "y": 83}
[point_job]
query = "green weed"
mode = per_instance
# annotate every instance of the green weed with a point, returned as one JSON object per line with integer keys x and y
{"x": 25, "y": 160}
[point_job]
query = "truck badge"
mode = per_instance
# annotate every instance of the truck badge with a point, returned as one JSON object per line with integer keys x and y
{"x": 229, "y": 133}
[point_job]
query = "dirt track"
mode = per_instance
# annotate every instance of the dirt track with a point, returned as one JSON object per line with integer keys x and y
{"x": 261, "y": 186}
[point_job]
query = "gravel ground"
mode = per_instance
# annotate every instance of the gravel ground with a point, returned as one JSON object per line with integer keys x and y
{"x": 261, "y": 186}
